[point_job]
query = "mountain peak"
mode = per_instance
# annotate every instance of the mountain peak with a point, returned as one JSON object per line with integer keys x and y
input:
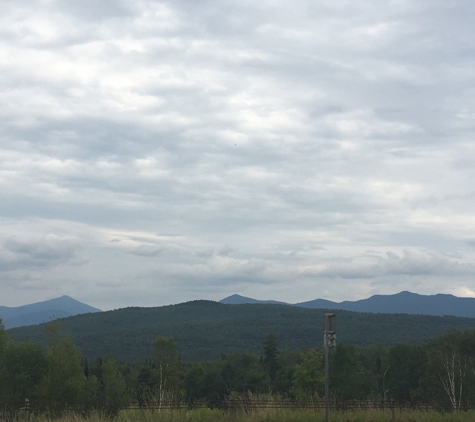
{"x": 45, "y": 311}
{"x": 236, "y": 299}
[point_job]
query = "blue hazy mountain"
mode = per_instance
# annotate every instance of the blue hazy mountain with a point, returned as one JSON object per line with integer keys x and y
{"x": 240, "y": 300}
{"x": 399, "y": 303}
{"x": 37, "y": 313}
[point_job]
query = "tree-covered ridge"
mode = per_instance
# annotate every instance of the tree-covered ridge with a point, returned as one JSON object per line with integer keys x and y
{"x": 203, "y": 330}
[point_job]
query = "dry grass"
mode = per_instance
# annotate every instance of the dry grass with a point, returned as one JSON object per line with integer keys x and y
{"x": 261, "y": 415}
{"x": 256, "y": 414}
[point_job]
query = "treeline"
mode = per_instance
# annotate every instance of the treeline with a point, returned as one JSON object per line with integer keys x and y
{"x": 57, "y": 377}
{"x": 202, "y": 329}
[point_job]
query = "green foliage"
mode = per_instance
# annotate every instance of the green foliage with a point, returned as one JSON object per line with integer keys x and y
{"x": 242, "y": 372}
{"x": 442, "y": 370}
{"x": 271, "y": 353}
{"x": 308, "y": 377}
{"x": 160, "y": 379}
{"x": 64, "y": 382}
{"x": 207, "y": 380}
{"x": 349, "y": 379}
{"x": 3, "y": 338}
{"x": 3, "y": 344}
{"x": 106, "y": 387}
{"x": 113, "y": 386}
{"x": 287, "y": 362}
{"x": 166, "y": 366}
{"x": 450, "y": 374}
{"x": 24, "y": 366}
{"x": 406, "y": 367}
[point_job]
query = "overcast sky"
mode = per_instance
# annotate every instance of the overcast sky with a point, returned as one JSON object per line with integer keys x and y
{"x": 154, "y": 152}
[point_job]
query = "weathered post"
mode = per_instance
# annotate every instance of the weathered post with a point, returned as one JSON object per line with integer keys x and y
{"x": 329, "y": 341}
{"x": 27, "y": 409}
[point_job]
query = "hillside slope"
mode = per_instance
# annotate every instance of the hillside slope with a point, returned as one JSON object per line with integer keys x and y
{"x": 204, "y": 329}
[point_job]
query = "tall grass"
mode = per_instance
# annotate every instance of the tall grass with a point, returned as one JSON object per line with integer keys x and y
{"x": 256, "y": 415}
{"x": 249, "y": 408}
{"x": 290, "y": 415}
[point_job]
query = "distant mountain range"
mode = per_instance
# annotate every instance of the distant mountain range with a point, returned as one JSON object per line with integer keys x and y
{"x": 400, "y": 303}
{"x": 37, "y": 313}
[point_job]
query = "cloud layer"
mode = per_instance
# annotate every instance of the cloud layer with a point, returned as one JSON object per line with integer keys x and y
{"x": 160, "y": 151}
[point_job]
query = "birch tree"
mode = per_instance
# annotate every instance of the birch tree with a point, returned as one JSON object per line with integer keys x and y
{"x": 453, "y": 376}
{"x": 448, "y": 369}
{"x": 166, "y": 364}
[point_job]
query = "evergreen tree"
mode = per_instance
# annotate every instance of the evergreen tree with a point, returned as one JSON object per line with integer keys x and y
{"x": 349, "y": 379}
{"x": 406, "y": 366}
{"x": 3, "y": 345}
{"x": 271, "y": 352}
{"x": 3, "y": 338}
{"x": 25, "y": 366}
{"x": 242, "y": 372}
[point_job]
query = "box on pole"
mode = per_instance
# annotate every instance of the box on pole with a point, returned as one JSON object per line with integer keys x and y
{"x": 329, "y": 329}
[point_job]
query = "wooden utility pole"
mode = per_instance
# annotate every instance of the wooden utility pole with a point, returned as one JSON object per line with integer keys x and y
{"x": 329, "y": 341}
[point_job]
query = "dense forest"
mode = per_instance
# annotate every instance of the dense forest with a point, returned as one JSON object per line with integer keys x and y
{"x": 57, "y": 375}
{"x": 203, "y": 330}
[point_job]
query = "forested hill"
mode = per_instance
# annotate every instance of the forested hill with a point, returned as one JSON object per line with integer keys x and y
{"x": 204, "y": 330}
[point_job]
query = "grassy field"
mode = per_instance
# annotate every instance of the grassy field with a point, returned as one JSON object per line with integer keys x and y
{"x": 283, "y": 415}
{"x": 262, "y": 415}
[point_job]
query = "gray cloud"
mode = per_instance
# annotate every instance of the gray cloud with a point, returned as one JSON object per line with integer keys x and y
{"x": 147, "y": 250}
{"x": 48, "y": 251}
{"x": 298, "y": 135}
{"x": 411, "y": 263}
